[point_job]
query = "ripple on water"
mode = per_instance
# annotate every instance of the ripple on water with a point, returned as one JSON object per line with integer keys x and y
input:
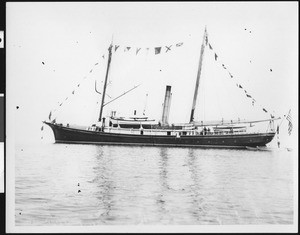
{"x": 149, "y": 185}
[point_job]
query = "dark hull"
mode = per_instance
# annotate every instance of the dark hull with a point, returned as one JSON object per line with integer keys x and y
{"x": 70, "y": 135}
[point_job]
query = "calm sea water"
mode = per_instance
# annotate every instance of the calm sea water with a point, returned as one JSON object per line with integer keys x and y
{"x": 60, "y": 184}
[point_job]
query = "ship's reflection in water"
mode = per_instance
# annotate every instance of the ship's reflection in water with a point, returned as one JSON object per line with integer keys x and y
{"x": 182, "y": 200}
{"x": 121, "y": 185}
{"x": 105, "y": 185}
{"x": 196, "y": 197}
{"x": 163, "y": 177}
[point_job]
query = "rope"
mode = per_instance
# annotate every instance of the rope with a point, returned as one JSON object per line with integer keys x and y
{"x": 57, "y": 110}
{"x": 237, "y": 82}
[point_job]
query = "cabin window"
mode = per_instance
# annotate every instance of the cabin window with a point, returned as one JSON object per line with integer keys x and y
{"x": 134, "y": 126}
{"x": 184, "y": 133}
{"x": 168, "y": 132}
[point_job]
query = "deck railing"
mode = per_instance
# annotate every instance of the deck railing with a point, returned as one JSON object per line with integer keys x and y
{"x": 172, "y": 132}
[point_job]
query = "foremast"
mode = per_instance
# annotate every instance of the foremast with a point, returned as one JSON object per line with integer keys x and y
{"x": 204, "y": 41}
{"x": 105, "y": 81}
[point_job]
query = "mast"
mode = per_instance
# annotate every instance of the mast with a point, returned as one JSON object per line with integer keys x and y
{"x": 198, "y": 75}
{"x": 105, "y": 81}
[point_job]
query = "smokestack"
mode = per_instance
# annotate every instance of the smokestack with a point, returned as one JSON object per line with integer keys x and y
{"x": 166, "y": 106}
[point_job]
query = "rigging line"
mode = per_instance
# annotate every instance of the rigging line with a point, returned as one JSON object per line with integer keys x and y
{"x": 227, "y": 122}
{"x": 122, "y": 94}
{"x": 145, "y": 104}
{"x": 233, "y": 106}
{"x": 204, "y": 100}
{"x": 57, "y": 109}
{"x": 223, "y": 66}
{"x": 96, "y": 87}
{"x": 98, "y": 91}
{"x": 220, "y": 109}
{"x": 221, "y": 93}
{"x": 95, "y": 109}
{"x": 236, "y": 80}
{"x": 78, "y": 84}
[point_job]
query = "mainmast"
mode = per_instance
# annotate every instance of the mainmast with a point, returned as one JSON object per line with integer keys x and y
{"x": 198, "y": 76}
{"x": 105, "y": 82}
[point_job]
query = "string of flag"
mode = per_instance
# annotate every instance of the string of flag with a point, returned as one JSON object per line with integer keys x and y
{"x": 60, "y": 104}
{"x": 166, "y": 49}
{"x": 249, "y": 96}
{"x": 290, "y": 124}
{"x": 138, "y": 50}
{"x": 288, "y": 116}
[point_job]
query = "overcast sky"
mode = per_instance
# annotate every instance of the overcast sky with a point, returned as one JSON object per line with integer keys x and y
{"x": 51, "y": 47}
